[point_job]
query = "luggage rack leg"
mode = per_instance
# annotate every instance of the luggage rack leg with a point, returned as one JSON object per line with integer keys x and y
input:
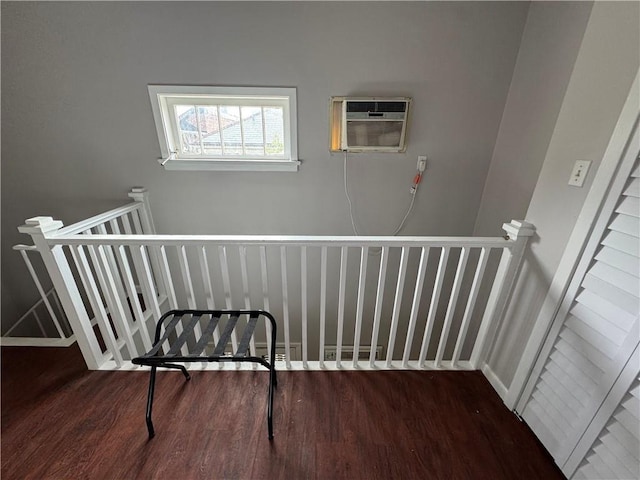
{"x": 152, "y": 387}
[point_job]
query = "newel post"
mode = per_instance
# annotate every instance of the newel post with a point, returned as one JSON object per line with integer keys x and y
{"x": 40, "y": 229}
{"x": 518, "y": 233}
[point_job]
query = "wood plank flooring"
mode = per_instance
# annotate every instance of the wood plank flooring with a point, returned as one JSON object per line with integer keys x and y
{"x": 60, "y": 421}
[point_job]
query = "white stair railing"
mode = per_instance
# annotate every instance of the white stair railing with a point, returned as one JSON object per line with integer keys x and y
{"x": 51, "y": 330}
{"x": 425, "y": 302}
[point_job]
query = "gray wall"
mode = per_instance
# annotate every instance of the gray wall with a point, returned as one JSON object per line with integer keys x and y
{"x": 77, "y": 130}
{"x": 550, "y": 44}
{"x": 604, "y": 70}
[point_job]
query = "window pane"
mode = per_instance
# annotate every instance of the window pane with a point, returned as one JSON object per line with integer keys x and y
{"x": 210, "y": 129}
{"x": 188, "y": 129}
{"x": 274, "y": 130}
{"x": 252, "y": 131}
{"x": 231, "y": 133}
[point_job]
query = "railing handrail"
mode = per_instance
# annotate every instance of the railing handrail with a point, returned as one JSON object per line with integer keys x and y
{"x": 99, "y": 219}
{"x": 279, "y": 240}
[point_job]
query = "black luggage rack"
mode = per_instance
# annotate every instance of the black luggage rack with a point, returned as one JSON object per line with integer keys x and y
{"x": 170, "y": 347}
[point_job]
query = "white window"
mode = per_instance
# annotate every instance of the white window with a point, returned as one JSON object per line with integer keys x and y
{"x": 226, "y": 128}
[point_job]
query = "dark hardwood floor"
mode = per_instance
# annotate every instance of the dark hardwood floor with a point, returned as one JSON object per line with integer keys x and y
{"x": 61, "y": 421}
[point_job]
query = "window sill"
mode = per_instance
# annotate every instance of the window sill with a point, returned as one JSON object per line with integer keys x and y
{"x": 233, "y": 165}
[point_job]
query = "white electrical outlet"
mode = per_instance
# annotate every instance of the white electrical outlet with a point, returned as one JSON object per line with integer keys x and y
{"x": 579, "y": 173}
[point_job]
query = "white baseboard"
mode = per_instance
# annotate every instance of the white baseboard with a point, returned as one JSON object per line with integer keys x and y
{"x": 37, "y": 342}
{"x": 495, "y": 382}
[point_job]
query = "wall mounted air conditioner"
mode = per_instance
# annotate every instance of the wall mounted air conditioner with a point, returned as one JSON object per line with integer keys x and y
{"x": 369, "y": 124}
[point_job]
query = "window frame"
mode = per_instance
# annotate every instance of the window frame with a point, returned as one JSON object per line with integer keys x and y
{"x": 164, "y": 97}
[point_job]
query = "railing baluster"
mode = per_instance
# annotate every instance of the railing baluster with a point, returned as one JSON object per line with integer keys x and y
{"x": 133, "y": 297}
{"x": 43, "y": 295}
{"x": 42, "y": 330}
{"x": 382, "y": 274}
{"x": 226, "y": 283}
{"x": 186, "y": 276}
{"x": 208, "y": 287}
{"x": 404, "y": 259}
{"x": 111, "y": 266}
{"x": 119, "y": 316}
{"x": 323, "y": 302}
{"x": 145, "y": 276}
{"x": 364, "y": 255}
{"x": 344, "y": 251}
{"x": 242, "y": 251}
{"x": 453, "y": 301}
{"x": 136, "y": 257}
{"x": 127, "y": 279}
{"x": 107, "y": 293}
{"x": 433, "y": 307}
{"x": 136, "y": 223}
{"x": 473, "y": 295}
{"x": 165, "y": 273}
{"x": 285, "y": 305}
{"x": 155, "y": 258}
{"x": 303, "y": 294}
{"x": 168, "y": 282}
{"x": 188, "y": 284}
{"x": 415, "y": 306}
{"x": 93, "y": 294}
{"x": 265, "y": 292}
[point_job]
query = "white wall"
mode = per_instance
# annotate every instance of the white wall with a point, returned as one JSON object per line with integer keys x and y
{"x": 77, "y": 130}
{"x": 605, "y": 67}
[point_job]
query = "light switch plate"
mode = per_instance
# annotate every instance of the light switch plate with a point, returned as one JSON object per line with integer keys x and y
{"x": 579, "y": 173}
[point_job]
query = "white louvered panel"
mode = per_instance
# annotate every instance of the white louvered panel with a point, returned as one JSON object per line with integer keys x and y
{"x": 546, "y": 429}
{"x": 591, "y": 336}
{"x": 636, "y": 171}
{"x": 629, "y": 206}
{"x": 620, "y": 260}
{"x": 568, "y": 366}
{"x": 628, "y": 421}
{"x": 613, "y": 294}
{"x": 575, "y": 388}
{"x": 602, "y": 469}
{"x": 589, "y": 351}
{"x": 626, "y": 224}
{"x": 624, "y": 437}
{"x": 631, "y": 404}
{"x": 606, "y": 309}
{"x": 621, "y": 241}
{"x": 621, "y": 452}
{"x": 633, "y": 188}
{"x": 612, "y": 461}
{"x": 615, "y": 453}
{"x": 615, "y": 330}
{"x": 555, "y": 386}
{"x": 628, "y": 283}
{"x": 578, "y": 360}
{"x": 555, "y": 418}
{"x": 567, "y": 414}
{"x": 597, "y": 330}
{"x": 587, "y": 473}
